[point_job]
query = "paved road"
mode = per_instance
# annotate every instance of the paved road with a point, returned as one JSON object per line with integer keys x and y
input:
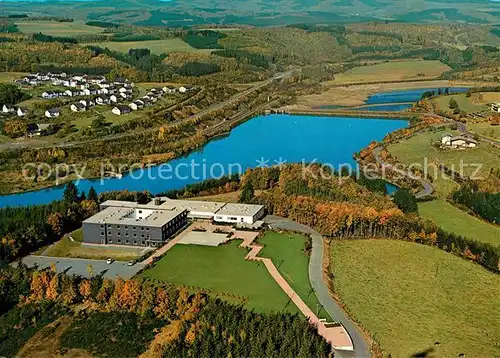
{"x": 361, "y": 348}
{"x": 428, "y": 188}
{"x": 79, "y": 266}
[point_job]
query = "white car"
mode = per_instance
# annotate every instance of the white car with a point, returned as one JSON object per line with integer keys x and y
{"x": 131, "y": 263}
{"x": 109, "y": 261}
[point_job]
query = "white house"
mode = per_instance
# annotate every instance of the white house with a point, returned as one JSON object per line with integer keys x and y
{"x": 78, "y": 107}
{"x": 7, "y": 108}
{"x": 115, "y": 98}
{"x": 21, "y": 112}
{"x": 121, "y": 109}
{"x": 53, "y": 113}
{"x": 136, "y": 105}
{"x": 50, "y": 94}
{"x": 95, "y": 79}
{"x": 169, "y": 89}
{"x": 87, "y": 102}
{"x": 495, "y": 107}
{"x": 102, "y": 100}
{"x": 72, "y": 93}
{"x": 78, "y": 78}
{"x": 459, "y": 141}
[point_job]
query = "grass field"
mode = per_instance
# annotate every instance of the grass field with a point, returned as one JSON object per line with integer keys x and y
{"x": 392, "y": 71}
{"x": 55, "y": 28}
{"x": 415, "y": 149}
{"x": 485, "y": 129}
{"x": 9, "y": 77}
{"x": 465, "y": 104}
{"x": 156, "y": 46}
{"x": 222, "y": 270}
{"x": 287, "y": 253}
{"x": 459, "y": 222}
{"x": 411, "y": 296}
{"x": 67, "y": 248}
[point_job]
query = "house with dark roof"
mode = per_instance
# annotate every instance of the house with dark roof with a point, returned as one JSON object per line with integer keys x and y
{"x": 121, "y": 109}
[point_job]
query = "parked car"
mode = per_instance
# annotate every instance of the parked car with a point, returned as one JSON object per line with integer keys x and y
{"x": 131, "y": 263}
{"x": 109, "y": 261}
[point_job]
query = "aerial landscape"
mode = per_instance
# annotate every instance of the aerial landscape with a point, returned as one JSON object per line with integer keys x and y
{"x": 250, "y": 179}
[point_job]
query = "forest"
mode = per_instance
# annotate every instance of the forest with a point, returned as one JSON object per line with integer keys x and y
{"x": 484, "y": 204}
{"x": 125, "y": 318}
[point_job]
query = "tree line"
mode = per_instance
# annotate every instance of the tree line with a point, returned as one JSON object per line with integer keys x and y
{"x": 485, "y": 205}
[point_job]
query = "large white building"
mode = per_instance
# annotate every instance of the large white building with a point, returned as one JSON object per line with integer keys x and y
{"x": 216, "y": 211}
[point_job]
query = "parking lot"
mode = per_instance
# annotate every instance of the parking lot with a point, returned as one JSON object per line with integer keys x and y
{"x": 79, "y": 266}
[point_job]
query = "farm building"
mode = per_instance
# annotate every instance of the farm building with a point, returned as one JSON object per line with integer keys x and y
{"x": 459, "y": 141}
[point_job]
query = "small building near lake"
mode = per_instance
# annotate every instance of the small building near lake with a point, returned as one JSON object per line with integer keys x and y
{"x": 457, "y": 142}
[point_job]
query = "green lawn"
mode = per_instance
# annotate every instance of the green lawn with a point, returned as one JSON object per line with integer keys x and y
{"x": 415, "y": 149}
{"x": 67, "y": 248}
{"x": 223, "y": 270}
{"x": 459, "y": 222}
{"x": 463, "y": 101}
{"x": 56, "y": 28}
{"x": 392, "y": 71}
{"x": 156, "y": 46}
{"x": 485, "y": 129}
{"x": 287, "y": 253}
{"x": 410, "y": 296}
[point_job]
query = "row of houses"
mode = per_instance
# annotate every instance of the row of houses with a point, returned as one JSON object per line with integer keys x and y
{"x": 75, "y": 81}
{"x": 149, "y": 98}
{"x": 86, "y": 92}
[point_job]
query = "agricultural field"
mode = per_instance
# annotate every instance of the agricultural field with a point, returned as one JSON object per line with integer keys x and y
{"x": 452, "y": 219}
{"x": 465, "y": 103}
{"x": 392, "y": 71}
{"x": 415, "y": 149}
{"x": 224, "y": 272}
{"x": 417, "y": 300}
{"x": 67, "y": 248}
{"x": 9, "y": 77}
{"x": 155, "y": 46}
{"x": 56, "y": 28}
{"x": 287, "y": 253}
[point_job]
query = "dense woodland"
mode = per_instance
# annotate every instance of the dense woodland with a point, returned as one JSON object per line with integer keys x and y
{"x": 484, "y": 204}
{"x": 124, "y": 318}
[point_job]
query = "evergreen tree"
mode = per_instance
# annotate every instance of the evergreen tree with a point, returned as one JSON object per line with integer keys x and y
{"x": 93, "y": 195}
{"x": 406, "y": 201}
{"x": 247, "y": 193}
{"x": 453, "y": 103}
{"x": 70, "y": 193}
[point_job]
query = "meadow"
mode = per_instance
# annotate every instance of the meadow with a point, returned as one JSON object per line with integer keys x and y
{"x": 417, "y": 300}
{"x": 452, "y": 219}
{"x": 485, "y": 129}
{"x": 287, "y": 253}
{"x": 224, "y": 272}
{"x": 416, "y": 148}
{"x": 155, "y": 46}
{"x": 55, "y": 28}
{"x": 392, "y": 71}
{"x": 464, "y": 102}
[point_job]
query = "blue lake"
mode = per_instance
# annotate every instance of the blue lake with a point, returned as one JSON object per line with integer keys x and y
{"x": 267, "y": 139}
{"x": 408, "y": 95}
{"x": 392, "y": 107}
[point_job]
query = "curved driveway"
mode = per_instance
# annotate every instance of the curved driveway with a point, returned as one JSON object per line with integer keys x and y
{"x": 361, "y": 348}
{"x": 428, "y": 188}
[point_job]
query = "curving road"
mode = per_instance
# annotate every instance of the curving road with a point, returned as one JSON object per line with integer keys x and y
{"x": 428, "y": 188}
{"x": 361, "y": 348}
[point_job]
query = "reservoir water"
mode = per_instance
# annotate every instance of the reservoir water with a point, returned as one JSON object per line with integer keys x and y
{"x": 261, "y": 141}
